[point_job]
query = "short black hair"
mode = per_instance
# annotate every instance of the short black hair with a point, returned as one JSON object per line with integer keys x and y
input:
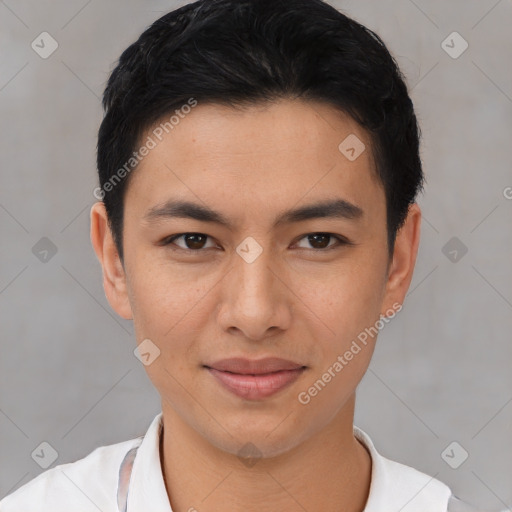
{"x": 247, "y": 52}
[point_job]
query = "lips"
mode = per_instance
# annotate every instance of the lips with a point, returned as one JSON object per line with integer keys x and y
{"x": 255, "y": 379}
{"x": 254, "y": 367}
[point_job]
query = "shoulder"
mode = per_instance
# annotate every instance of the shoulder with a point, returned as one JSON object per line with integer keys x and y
{"x": 86, "y": 485}
{"x": 395, "y": 486}
{"x": 414, "y": 487}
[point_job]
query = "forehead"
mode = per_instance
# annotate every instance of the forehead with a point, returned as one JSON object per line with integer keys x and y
{"x": 261, "y": 155}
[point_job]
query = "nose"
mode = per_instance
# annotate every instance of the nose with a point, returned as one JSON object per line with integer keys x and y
{"x": 256, "y": 299}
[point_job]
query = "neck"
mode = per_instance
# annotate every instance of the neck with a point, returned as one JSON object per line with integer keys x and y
{"x": 330, "y": 471}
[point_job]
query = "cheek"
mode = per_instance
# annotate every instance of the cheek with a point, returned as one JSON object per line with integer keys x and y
{"x": 169, "y": 311}
{"x": 172, "y": 308}
{"x": 348, "y": 299}
{"x": 162, "y": 293}
{"x": 349, "y": 306}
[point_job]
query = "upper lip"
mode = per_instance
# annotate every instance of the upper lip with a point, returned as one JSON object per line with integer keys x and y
{"x": 254, "y": 366}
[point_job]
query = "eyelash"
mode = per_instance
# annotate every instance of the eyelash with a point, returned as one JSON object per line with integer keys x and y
{"x": 341, "y": 241}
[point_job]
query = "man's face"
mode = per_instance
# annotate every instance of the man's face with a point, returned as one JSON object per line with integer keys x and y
{"x": 305, "y": 299}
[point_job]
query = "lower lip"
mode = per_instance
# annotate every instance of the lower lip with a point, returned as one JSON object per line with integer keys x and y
{"x": 256, "y": 387}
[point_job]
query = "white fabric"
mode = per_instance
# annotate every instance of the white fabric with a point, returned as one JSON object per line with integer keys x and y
{"x": 91, "y": 483}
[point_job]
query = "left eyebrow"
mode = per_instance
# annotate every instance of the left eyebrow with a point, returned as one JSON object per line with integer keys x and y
{"x": 337, "y": 208}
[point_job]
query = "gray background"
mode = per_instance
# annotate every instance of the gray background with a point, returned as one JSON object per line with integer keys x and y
{"x": 442, "y": 368}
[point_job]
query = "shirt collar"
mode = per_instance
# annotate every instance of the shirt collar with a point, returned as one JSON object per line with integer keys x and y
{"x": 147, "y": 482}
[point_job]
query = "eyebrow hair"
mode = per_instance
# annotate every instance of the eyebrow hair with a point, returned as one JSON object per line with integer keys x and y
{"x": 335, "y": 208}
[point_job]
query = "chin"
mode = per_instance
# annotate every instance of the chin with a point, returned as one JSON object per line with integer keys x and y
{"x": 265, "y": 439}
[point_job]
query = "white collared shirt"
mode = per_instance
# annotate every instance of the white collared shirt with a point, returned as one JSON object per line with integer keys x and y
{"x": 94, "y": 483}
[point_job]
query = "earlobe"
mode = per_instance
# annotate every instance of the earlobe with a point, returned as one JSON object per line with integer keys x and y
{"x": 114, "y": 276}
{"x": 405, "y": 251}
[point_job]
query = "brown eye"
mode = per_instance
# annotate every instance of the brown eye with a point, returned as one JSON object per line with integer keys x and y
{"x": 192, "y": 241}
{"x": 321, "y": 241}
{"x": 195, "y": 241}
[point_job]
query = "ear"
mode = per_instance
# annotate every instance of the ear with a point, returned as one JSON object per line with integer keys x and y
{"x": 114, "y": 277}
{"x": 401, "y": 267}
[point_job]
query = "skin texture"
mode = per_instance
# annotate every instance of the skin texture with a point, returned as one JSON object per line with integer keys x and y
{"x": 294, "y": 301}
